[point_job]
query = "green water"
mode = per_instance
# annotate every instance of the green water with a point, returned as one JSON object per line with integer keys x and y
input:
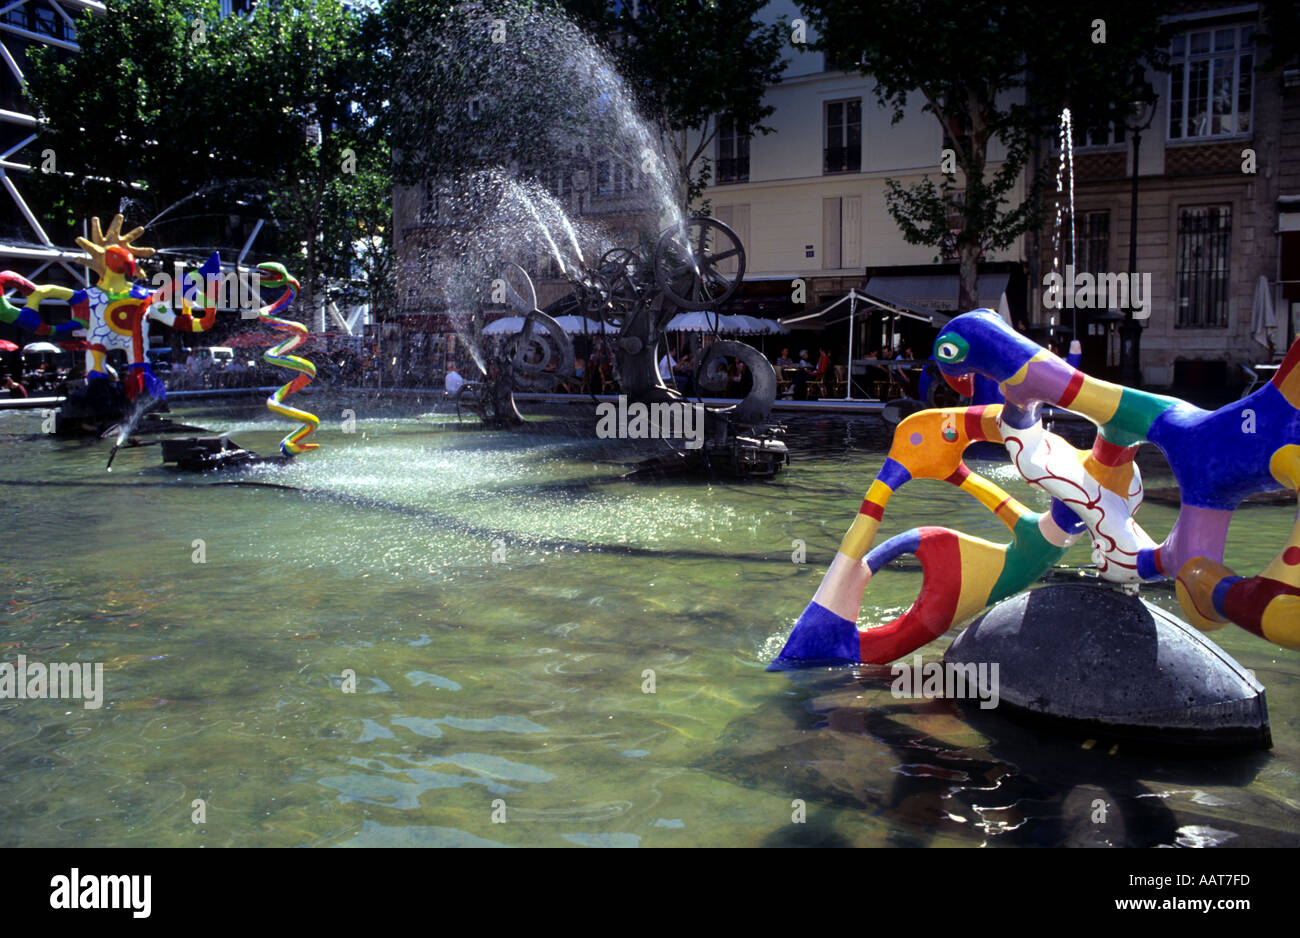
{"x": 500, "y": 597}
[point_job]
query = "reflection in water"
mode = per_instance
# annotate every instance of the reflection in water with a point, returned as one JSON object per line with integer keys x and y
{"x": 933, "y": 771}
{"x": 499, "y": 598}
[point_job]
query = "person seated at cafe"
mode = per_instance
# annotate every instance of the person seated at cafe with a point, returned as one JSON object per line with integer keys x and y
{"x": 15, "y": 389}
{"x": 684, "y": 371}
{"x": 667, "y": 365}
{"x": 75, "y": 378}
{"x": 453, "y": 382}
{"x": 800, "y": 378}
{"x": 738, "y": 380}
{"x": 784, "y": 360}
{"x": 909, "y": 377}
{"x": 823, "y": 366}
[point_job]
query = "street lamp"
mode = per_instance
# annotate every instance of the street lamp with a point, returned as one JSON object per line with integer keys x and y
{"x": 1141, "y": 115}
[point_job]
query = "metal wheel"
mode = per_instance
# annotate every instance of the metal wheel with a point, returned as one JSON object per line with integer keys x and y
{"x": 691, "y": 261}
{"x": 520, "y": 292}
{"x": 542, "y": 355}
{"x": 712, "y": 374}
{"x": 616, "y": 273}
{"x": 617, "y": 269}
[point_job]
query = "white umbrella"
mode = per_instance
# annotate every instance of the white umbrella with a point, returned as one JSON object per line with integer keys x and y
{"x": 508, "y": 325}
{"x": 580, "y": 325}
{"x": 35, "y": 348}
{"x": 1263, "y": 319}
{"x": 741, "y": 325}
{"x": 759, "y": 326}
{"x": 702, "y": 321}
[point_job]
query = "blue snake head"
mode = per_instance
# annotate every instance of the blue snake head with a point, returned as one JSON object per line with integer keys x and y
{"x": 980, "y": 342}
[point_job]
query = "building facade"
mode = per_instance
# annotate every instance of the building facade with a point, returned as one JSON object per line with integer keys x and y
{"x": 1218, "y": 208}
{"x": 25, "y": 246}
{"x": 1218, "y": 218}
{"x": 1218, "y": 192}
{"x": 808, "y": 201}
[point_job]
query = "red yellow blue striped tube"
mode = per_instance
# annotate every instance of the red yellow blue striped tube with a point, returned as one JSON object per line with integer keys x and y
{"x": 279, "y": 355}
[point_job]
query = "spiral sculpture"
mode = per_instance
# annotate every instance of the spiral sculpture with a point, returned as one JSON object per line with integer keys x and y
{"x": 279, "y": 355}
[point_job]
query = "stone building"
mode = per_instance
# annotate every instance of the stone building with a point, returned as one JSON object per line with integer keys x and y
{"x": 1218, "y": 204}
{"x": 1218, "y": 209}
{"x": 1218, "y": 217}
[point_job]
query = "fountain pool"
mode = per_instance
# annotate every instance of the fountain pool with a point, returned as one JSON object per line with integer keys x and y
{"x": 501, "y": 597}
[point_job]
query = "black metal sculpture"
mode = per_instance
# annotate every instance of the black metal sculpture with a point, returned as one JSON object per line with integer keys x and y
{"x": 695, "y": 266}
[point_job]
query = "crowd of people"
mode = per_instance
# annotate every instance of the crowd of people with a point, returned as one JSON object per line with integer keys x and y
{"x": 44, "y": 380}
{"x": 593, "y": 372}
{"x": 49, "y": 378}
{"x": 799, "y": 377}
{"x": 677, "y": 370}
{"x": 199, "y": 372}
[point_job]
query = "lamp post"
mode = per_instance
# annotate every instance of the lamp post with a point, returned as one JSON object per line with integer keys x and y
{"x": 1130, "y": 355}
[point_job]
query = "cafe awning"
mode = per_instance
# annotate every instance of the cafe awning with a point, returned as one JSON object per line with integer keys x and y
{"x": 935, "y": 292}
{"x": 858, "y": 303}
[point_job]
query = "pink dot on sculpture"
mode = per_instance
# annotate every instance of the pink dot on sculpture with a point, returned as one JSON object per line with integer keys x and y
{"x": 1291, "y": 556}
{"x": 915, "y": 439}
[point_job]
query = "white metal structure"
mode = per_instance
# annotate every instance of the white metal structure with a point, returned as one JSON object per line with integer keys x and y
{"x": 47, "y": 22}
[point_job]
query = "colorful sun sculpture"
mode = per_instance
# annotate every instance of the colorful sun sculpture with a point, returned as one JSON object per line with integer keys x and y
{"x": 1218, "y": 459}
{"x": 117, "y": 312}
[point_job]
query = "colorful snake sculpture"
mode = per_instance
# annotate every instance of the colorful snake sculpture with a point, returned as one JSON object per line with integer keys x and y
{"x": 1218, "y": 458}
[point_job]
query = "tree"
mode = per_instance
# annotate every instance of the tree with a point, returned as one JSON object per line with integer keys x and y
{"x": 990, "y": 71}
{"x": 309, "y": 61}
{"x": 471, "y": 88}
{"x": 517, "y": 83}
{"x": 200, "y": 117}
{"x": 114, "y": 131}
{"x": 693, "y": 63}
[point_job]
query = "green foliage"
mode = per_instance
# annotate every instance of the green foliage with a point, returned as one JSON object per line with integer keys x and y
{"x": 693, "y": 61}
{"x": 462, "y": 97}
{"x": 990, "y": 71}
{"x": 169, "y": 103}
{"x": 682, "y": 64}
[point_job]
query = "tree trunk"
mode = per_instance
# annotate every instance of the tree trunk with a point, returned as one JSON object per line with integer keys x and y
{"x": 968, "y": 242}
{"x": 968, "y": 255}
